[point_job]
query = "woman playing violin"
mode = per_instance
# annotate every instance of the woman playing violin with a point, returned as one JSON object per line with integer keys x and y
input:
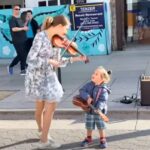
{"x": 41, "y": 81}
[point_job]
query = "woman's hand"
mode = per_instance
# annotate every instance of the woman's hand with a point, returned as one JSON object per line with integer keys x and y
{"x": 66, "y": 42}
{"x": 79, "y": 58}
{"x": 96, "y": 111}
{"x": 55, "y": 63}
{"x": 82, "y": 58}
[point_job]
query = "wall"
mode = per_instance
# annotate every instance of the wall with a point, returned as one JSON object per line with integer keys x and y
{"x": 94, "y": 41}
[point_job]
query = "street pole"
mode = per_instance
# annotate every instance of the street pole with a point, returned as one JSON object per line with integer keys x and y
{"x": 59, "y": 75}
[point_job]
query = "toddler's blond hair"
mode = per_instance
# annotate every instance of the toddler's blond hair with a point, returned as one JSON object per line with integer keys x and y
{"x": 104, "y": 74}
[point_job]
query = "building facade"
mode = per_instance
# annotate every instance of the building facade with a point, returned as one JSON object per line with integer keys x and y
{"x": 93, "y": 39}
{"x": 138, "y": 13}
{"x": 118, "y": 14}
{"x": 6, "y": 4}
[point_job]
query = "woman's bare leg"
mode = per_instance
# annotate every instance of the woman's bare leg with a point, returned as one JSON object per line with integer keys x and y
{"x": 39, "y": 114}
{"x": 48, "y": 113}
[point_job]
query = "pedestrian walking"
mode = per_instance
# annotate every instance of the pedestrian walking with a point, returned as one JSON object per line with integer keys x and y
{"x": 24, "y": 18}
{"x": 33, "y": 29}
{"x": 142, "y": 25}
{"x": 19, "y": 38}
{"x": 41, "y": 82}
{"x": 96, "y": 93}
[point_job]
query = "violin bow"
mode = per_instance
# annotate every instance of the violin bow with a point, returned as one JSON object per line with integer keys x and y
{"x": 99, "y": 112}
{"x": 74, "y": 36}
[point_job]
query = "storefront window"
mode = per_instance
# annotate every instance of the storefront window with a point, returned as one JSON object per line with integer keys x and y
{"x": 52, "y": 2}
{"x": 143, "y": 20}
{"x": 42, "y": 3}
{"x": 1, "y": 7}
{"x": 79, "y": 1}
{"x": 138, "y": 21}
{"x": 8, "y": 6}
{"x": 63, "y": 2}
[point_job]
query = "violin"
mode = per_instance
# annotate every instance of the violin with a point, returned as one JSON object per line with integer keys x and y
{"x": 58, "y": 41}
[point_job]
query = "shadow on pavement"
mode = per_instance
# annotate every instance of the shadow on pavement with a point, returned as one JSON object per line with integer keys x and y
{"x": 76, "y": 145}
{"x": 27, "y": 141}
{"x": 128, "y": 135}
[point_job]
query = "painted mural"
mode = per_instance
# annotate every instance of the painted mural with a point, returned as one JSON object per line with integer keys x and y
{"x": 90, "y": 42}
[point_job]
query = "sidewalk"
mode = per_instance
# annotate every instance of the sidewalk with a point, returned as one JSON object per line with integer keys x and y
{"x": 126, "y": 66}
{"x": 126, "y": 135}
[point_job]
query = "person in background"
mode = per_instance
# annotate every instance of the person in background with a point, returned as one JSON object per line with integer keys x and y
{"x": 96, "y": 93}
{"x": 33, "y": 29}
{"x": 41, "y": 82}
{"x": 141, "y": 26}
{"x": 19, "y": 39}
{"x": 24, "y": 18}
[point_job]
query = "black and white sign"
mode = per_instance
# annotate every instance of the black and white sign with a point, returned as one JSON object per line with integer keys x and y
{"x": 91, "y": 14}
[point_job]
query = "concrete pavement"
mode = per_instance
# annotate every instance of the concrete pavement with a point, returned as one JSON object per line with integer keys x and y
{"x": 129, "y": 124}
{"x": 126, "y": 135}
{"x": 127, "y": 67}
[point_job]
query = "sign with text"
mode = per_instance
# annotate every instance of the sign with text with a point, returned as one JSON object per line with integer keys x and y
{"x": 87, "y": 16}
{"x": 79, "y": 1}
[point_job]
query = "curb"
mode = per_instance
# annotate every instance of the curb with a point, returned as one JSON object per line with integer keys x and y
{"x": 28, "y": 114}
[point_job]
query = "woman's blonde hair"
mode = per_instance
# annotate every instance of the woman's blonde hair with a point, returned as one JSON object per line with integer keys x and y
{"x": 54, "y": 21}
{"x": 104, "y": 74}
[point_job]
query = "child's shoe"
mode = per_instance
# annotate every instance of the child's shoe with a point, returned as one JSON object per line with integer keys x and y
{"x": 86, "y": 142}
{"x": 103, "y": 144}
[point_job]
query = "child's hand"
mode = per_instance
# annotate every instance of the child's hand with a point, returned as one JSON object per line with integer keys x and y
{"x": 89, "y": 101}
{"x": 96, "y": 111}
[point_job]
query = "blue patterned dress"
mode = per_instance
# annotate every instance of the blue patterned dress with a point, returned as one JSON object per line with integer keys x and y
{"x": 41, "y": 81}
